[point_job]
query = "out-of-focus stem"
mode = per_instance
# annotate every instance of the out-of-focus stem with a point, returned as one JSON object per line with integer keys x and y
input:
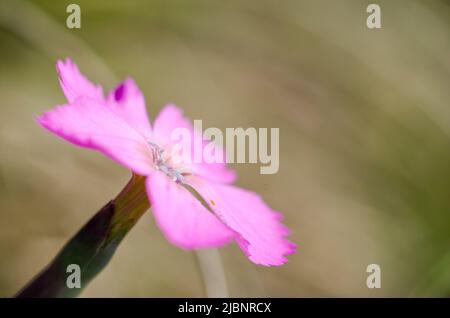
{"x": 213, "y": 273}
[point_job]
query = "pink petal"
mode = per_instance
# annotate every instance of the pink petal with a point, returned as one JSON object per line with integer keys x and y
{"x": 89, "y": 123}
{"x": 74, "y": 84}
{"x": 184, "y": 221}
{"x": 261, "y": 232}
{"x": 170, "y": 118}
{"x": 127, "y": 101}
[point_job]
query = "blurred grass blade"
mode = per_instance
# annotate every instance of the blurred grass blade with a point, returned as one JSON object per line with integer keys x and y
{"x": 93, "y": 246}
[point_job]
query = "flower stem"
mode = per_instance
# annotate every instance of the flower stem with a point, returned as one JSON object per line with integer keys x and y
{"x": 213, "y": 273}
{"x": 129, "y": 205}
{"x": 91, "y": 249}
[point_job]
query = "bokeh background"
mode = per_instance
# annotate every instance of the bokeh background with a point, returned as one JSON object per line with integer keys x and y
{"x": 364, "y": 122}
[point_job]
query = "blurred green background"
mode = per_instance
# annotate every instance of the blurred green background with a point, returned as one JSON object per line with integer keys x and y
{"x": 364, "y": 122}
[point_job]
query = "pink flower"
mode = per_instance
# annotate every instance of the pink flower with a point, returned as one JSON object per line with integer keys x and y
{"x": 117, "y": 125}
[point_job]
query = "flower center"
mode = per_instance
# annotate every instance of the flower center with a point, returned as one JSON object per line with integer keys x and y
{"x": 162, "y": 163}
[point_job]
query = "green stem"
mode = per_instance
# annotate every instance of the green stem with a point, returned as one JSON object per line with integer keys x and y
{"x": 93, "y": 246}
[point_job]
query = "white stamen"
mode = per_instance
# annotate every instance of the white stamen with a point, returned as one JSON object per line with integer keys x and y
{"x": 162, "y": 165}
